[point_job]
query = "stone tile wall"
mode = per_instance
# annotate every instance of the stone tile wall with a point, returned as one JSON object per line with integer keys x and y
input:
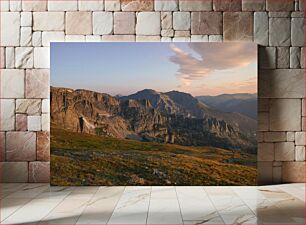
{"x": 28, "y": 27}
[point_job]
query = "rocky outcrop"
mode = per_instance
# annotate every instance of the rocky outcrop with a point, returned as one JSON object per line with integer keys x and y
{"x": 172, "y": 117}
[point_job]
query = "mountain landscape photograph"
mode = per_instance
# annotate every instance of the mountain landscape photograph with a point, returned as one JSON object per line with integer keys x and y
{"x": 153, "y": 114}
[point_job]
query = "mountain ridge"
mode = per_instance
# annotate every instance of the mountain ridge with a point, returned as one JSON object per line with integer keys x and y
{"x": 150, "y": 116}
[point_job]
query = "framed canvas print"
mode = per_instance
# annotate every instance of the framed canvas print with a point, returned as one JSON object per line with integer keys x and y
{"x": 153, "y": 113}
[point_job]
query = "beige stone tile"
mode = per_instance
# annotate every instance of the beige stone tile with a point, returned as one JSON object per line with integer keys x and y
{"x": 10, "y": 57}
{"x": 215, "y": 38}
{"x": 58, "y": 5}
{"x": 300, "y": 138}
{"x": 290, "y": 136}
{"x": 124, "y": 22}
{"x": 203, "y": 5}
{"x": 37, "y": 39}
{"x": 37, "y": 83}
{"x": 25, "y": 36}
{"x": 295, "y": 57}
{"x": 52, "y": 36}
{"x": 281, "y": 83}
{"x": 28, "y": 106}
{"x": 300, "y": 153}
{"x": 263, "y": 105}
{"x": 45, "y": 122}
{"x": 26, "y": 19}
{"x": 297, "y": 32}
{"x": 2, "y": 57}
{"x": 34, "y": 123}
{"x": 166, "y": 39}
{"x": 41, "y": 57}
{"x": 112, "y": 5}
{"x": 14, "y": 172}
{"x": 4, "y": 5}
{"x": 279, "y": 32}
{"x": 94, "y": 5}
{"x": 148, "y": 23}
{"x": 261, "y": 28}
{"x": 238, "y": 26}
{"x": 167, "y": 33}
{"x": 43, "y": 146}
{"x": 284, "y": 151}
{"x": 21, "y": 122}
{"x": 12, "y": 83}
{"x": 92, "y": 38}
{"x": 294, "y": 172}
{"x": 199, "y": 38}
{"x": 182, "y": 33}
{"x": 39, "y": 172}
{"x": 118, "y": 38}
{"x": 34, "y": 5}
{"x": 24, "y": 57}
{"x": 166, "y": 20}
{"x": 102, "y": 23}
{"x": 169, "y": 5}
{"x": 137, "y": 5}
{"x": 285, "y": 115}
{"x": 283, "y": 57}
{"x": 181, "y": 21}
{"x": 20, "y": 146}
{"x": 206, "y": 23}
{"x": 45, "y": 106}
{"x": 7, "y": 114}
{"x": 78, "y": 23}
{"x": 10, "y": 28}
{"x": 48, "y": 21}
{"x": 140, "y": 38}
{"x": 75, "y": 38}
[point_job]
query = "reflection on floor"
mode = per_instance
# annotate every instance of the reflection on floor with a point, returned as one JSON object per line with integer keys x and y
{"x": 42, "y": 204}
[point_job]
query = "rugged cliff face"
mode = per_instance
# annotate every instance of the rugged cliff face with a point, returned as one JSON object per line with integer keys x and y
{"x": 173, "y": 117}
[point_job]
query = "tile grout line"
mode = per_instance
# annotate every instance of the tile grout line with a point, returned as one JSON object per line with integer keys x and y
{"x": 55, "y": 206}
{"x": 149, "y": 205}
{"x": 116, "y": 205}
{"x": 87, "y": 204}
{"x": 179, "y": 205}
{"x": 214, "y": 206}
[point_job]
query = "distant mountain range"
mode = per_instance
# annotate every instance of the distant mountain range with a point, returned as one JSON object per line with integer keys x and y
{"x": 148, "y": 115}
{"x": 246, "y": 104}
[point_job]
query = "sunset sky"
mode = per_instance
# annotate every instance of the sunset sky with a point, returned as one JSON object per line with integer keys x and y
{"x": 125, "y": 68}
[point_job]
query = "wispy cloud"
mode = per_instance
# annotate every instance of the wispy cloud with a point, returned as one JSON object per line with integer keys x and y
{"x": 211, "y": 57}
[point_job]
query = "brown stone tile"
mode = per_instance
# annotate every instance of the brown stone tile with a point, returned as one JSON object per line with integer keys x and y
{"x": 20, "y": 146}
{"x": 78, "y": 23}
{"x": 253, "y": 5}
{"x": 206, "y": 23}
{"x": 43, "y": 146}
{"x": 14, "y": 172}
{"x": 2, "y": 146}
{"x": 39, "y": 172}
{"x": 21, "y": 122}
{"x": 137, "y": 5}
{"x": 227, "y": 5}
{"x": 264, "y": 173}
{"x": 37, "y": 83}
{"x": 280, "y": 5}
{"x": 124, "y": 22}
{"x": 294, "y": 172}
{"x": 238, "y": 26}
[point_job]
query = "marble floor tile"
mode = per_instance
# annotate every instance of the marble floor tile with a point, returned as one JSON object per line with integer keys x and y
{"x": 133, "y": 207}
{"x": 100, "y": 208}
{"x": 42, "y": 204}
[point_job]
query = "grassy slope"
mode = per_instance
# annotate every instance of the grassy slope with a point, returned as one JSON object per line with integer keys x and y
{"x": 80, "y": 159}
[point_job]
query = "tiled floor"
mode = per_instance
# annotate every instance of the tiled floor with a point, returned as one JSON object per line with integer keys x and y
{"x": 42, "y": 204}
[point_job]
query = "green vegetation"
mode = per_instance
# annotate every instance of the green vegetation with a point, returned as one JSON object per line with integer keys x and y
{"x": 83, "y": 159}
